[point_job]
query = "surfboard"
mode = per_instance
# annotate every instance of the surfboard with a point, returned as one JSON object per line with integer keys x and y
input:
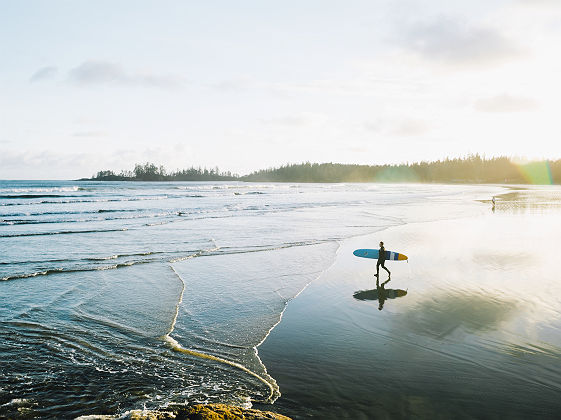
{"x": 373, "y": 253}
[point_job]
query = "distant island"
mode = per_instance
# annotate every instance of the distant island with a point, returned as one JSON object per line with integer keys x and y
{"x": 471, "y": 169}
{"x": 151, "y": 172}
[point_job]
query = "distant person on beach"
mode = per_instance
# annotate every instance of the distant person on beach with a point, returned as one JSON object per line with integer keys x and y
{"x": 381, "y": 260}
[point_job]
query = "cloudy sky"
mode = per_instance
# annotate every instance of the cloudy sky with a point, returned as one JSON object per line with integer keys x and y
{"x": 244, "y": 85}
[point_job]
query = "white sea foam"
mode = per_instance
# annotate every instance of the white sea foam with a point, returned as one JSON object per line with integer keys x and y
{"x": 39, "y": 190}
{"x": 274, "y": 392}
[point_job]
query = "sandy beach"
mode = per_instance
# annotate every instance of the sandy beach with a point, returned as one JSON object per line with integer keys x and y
{"x": 475, "y": 336}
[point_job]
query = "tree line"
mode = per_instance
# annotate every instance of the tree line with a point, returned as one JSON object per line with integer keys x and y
{"x": 470, "y": 169}
{"x": 150, "y": 172}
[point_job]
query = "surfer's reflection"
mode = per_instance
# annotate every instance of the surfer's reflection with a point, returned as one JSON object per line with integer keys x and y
{"x": 381, "y": 294}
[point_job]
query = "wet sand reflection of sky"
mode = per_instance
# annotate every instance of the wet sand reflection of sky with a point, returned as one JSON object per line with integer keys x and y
{"x": 475, "y": 336}
{"x": 443, "y": 315}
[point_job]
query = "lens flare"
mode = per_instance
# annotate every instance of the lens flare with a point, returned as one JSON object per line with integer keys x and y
{"x": 535, "y": 172}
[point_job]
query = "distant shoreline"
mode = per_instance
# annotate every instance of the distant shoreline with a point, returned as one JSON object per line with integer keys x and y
{"x": 507, "y": 183}
{"x": 469, "y": 170}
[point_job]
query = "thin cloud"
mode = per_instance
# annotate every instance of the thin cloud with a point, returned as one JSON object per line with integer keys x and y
{"x": 376, "y": 126}
{"x": 410, "y": 128}
{"x": 44, "y": 73}
{"x": 94, "y": 72}
{"x": 451, "y": 41}
{"x": 406, "y": 127}
{"x": 89, "y": 134}
{"x": 505, "y": 103}
{"x": 554, "y": 4}
{"x": 297, "y": 120}
{"x": 233, "y": 85}
{"x": 290, "y": 121}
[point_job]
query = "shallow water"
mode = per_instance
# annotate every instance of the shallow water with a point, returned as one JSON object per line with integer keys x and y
{"x": 115, "y": 296}
{"x": 475, "y": 332}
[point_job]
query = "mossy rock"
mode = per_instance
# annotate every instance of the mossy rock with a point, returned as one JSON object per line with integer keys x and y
{"x": 227, "y": 412}
{"x": 195, "y": 412}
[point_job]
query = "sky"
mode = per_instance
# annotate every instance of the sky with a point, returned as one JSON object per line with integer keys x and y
{"x": 247, "y": 85}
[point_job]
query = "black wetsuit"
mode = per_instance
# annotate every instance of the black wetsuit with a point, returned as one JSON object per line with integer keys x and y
{"x": 381, "y": 260}
{"x": 381, "y": 256}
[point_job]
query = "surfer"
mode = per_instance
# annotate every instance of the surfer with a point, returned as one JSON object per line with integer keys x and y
{"x": 381, "y": 261}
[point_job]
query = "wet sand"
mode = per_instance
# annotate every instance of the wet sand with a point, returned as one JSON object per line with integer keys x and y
{"x": 476, "y": 335}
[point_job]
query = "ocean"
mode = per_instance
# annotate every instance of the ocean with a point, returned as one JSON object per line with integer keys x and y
{"x": 129, "y": 295}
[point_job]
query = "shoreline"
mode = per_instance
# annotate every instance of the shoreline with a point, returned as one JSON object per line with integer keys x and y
{"x": 266, "y": 406}
{"x": 287, "y": 273}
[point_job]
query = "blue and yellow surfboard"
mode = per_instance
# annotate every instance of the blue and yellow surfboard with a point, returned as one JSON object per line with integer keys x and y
{"x": 374, "y": 253}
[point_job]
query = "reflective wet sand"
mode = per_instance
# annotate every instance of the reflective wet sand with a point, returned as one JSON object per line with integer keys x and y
{"x": 474, "y": 333}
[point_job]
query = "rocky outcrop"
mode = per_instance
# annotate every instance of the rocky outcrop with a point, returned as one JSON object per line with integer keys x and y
{"x": 226, "y": 412}
{"x": 196, "y": 412}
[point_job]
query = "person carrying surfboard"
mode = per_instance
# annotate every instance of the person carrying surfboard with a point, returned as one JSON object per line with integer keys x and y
{"x": 381, "y": 260}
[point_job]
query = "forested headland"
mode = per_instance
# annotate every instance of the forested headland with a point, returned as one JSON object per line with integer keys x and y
{"x": 151, "y": 172}
{"x": 471, "y": 169}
